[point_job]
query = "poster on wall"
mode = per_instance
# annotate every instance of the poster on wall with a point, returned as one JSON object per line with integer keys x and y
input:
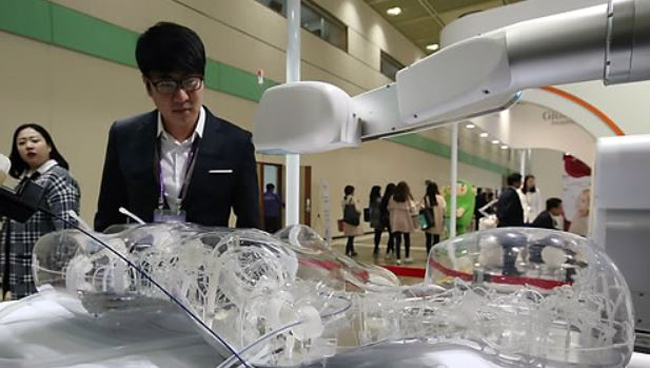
{"x": 325, "y": 208}
{"x": 576, "y": 193}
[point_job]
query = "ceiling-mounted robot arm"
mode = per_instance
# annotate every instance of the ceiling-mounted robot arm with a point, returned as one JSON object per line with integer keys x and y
{"x": 469, "y": 78}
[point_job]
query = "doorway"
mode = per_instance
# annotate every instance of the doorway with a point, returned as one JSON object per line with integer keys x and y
{"x": 271, "y": 173}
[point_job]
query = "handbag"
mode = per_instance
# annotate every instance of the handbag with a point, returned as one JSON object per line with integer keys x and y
{"x": 427, "y": 221}
{"x": 416, "y": 221}
{"x": 350, "y": 215}
{"x": 341, "y": 225}
{"x": 366, "y": 214}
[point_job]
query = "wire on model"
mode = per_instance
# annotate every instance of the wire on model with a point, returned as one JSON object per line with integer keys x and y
{"x": 150, "y": 279}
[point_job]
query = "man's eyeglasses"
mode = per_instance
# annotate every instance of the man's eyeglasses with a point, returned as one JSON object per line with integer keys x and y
{"x": 169, "y": 86}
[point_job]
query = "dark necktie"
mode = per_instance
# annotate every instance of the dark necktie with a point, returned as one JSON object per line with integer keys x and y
{"x": 26, "y": 178}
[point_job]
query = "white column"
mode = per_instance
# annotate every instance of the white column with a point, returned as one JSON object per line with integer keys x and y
{"x": 292, "y": 187}
{"x": 454, "y": 178}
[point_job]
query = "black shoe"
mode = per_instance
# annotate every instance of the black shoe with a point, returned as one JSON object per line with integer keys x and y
{"x": 512, "y": 272}
{"x": 354, "y": 254}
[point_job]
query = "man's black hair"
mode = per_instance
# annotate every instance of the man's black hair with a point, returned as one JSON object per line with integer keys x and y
{"x": 167, "y": 48}
{"x": 553, "y": 202}
{"x": 513, "y": 179}
{"x": 348, "y": 190}
{"x": 270, "y": 186}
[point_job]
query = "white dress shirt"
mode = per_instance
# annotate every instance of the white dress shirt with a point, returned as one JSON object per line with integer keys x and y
{"x": 42, "y": 169}
{"x": 174, "y": 156}
{"x": 534, "y": 205}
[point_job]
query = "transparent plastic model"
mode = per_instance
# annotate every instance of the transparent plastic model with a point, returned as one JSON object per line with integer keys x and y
{"x": 512, "y": 297}
{"x": 244, "y": 284}
{"x": 536, "y": 296}
{"x": 325, "y": 264}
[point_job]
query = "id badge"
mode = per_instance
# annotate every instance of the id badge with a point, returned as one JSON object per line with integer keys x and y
{"x": 166, "y": 216}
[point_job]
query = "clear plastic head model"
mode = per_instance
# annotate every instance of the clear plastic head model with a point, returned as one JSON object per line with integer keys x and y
{"x": 536, "y": 295}
{"x": 246, "y": 285}
{"x": 513, "y": 297}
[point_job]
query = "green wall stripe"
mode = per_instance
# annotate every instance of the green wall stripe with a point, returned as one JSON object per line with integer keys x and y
{"x": 64, "y": 27}
{"x": 28, "y": 18}
{"x": 77, "y": 31}
{"x": 425, "y": 144}
{"x": 229, "y": 79}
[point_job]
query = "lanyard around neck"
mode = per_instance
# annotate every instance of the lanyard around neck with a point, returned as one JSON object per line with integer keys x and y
{"x": 189, "y": 169}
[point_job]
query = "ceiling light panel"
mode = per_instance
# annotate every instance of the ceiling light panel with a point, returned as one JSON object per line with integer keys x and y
{"x": 396, "y": 10}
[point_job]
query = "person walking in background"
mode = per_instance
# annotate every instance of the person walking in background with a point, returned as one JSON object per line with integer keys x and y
{"x": 546, "y": 219}
{"x": 351, "y": 219}
{"x": 580, "y": 221}
{"x": 385, "y": 217}
{"x": 35, "y": 157}
{"x": 481, "y": 200}
{"x": 532, "y": 201}
{"x": 509, "y": 209}
{"x": 435, "y": 203}
{"x": 272, "y": 209}
{"x": 374, "y": 206}
{"x": 402, "y": 208}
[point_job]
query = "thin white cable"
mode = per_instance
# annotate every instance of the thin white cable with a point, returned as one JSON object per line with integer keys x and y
{"x": 131, "y": 215}
{"x": 80, "y": 221}
{"x": 149, "y": 278}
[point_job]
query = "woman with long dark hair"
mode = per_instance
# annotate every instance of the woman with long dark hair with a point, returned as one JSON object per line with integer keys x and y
{"x": 435, "y": 203}
{"x": 34, "y": 157}
{"x": 374, "y": 206}
{"x": 533, "y": 204}
{"x": 385, "y": 217}
{"x": 351, "y": 219}
{"x": 402, "y": 208}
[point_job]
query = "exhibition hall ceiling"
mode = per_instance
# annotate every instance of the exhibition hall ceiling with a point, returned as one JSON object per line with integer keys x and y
{"x": 422, "y": 20}
{"x": 471, "y": 142}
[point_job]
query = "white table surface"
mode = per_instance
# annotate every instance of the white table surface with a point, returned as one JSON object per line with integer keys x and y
{"x": 193, "y": 352}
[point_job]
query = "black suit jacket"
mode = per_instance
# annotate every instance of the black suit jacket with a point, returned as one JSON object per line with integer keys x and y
{"x": 130, "y": 177}
{"x": 509, "y": 209}
{"x": 544, "y": 220}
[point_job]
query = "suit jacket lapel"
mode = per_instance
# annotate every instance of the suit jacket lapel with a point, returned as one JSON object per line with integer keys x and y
{"x": 211, "y": 148}
{"x": 146, "y": 149}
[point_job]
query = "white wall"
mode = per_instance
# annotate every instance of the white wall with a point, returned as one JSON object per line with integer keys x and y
{"x": 528, "y": 125}
{"x": 548, "y": 167}
{"x": 628, "y": 105}
{"x": 370, "y": 32}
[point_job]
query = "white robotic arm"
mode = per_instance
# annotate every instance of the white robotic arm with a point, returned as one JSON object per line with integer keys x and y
{"x": 469, "y": 78}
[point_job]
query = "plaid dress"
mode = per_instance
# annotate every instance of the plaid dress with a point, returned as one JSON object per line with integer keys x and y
{"x": 61, "y": 194}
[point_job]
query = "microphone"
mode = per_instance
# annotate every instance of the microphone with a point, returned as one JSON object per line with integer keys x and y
{"x": 5, "y": 166}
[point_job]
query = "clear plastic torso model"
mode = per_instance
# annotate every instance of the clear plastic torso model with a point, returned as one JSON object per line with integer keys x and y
{"x": 498, "y": 298}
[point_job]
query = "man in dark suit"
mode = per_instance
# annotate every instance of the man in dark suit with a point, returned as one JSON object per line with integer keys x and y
{"x": 178, "y": 162}
{"x": 545, "y": 219}
{"x": 509, "y": 209}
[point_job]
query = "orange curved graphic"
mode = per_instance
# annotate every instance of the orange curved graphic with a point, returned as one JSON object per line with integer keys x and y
{"x": 591, "y": 108}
